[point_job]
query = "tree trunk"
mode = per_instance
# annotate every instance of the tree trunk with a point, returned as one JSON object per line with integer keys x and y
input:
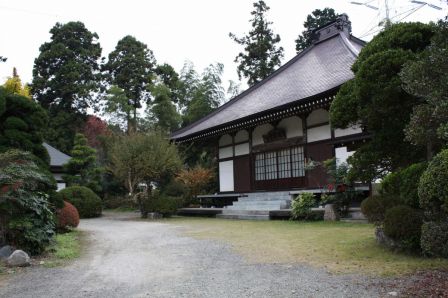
{"x": 429, "y": 150}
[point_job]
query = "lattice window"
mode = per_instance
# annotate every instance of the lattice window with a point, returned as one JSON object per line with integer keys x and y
{"x": 282, "y": 164}
{"x": 259, "y": 167}
{"x": 298, "y": 162}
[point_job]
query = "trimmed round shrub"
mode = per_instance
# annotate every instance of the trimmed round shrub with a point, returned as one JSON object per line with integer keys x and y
{"x": 165, "y": 205}
{"x": 409, "y": 179}
{"x": 390, "y": 185}
{"x": 403, "y": 224}
{"x": 67, "y": 217}
{"x": 404, "y": 184}
{"x": 301, "y": 206}
{"x": 433, "y": 186}
{"x": 84, "y": 199}
{"x": 434, "y": 239}
{"x": 374, "y": 208}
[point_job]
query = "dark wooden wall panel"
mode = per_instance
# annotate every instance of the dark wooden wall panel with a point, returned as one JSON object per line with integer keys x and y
{"x": 242, "y": 173}
{"x": 318, "y": 152}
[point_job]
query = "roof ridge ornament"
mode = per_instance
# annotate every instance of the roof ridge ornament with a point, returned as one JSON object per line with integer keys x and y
{"x": 341, "y": 25}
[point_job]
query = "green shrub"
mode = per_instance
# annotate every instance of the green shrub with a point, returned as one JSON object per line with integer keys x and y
{"x": 26, "y": 220}
{"x": 434, "y": 239}
{"x": 404, "y": 184}
{"x": 374, "y": 208}
{"x": 433, "y": 186}
{"x": 301, "y": 206}
{"x": 165, "y": 205}
{"x": 403, "y": 224}
{"x": 390, "y": 186}
{"x": 409, "y": 179}
{"x": 84, "y": 199}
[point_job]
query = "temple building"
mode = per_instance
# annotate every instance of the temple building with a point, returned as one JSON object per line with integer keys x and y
{"x": 267, "y": 135}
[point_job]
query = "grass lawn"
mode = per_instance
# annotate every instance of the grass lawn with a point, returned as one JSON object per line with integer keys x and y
{"x": 338, "y": 247}
{"x": 66, "y": 247}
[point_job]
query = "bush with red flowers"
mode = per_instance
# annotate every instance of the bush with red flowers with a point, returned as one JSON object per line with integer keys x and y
{"x": 68, "y": 217}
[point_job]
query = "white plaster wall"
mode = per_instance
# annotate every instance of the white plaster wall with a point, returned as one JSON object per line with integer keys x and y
{"x": 342, "y": 155}
{"x": 347, "y": 131}
{"x": 317, "y": 117}
{"x": 241, "y": 136}
{"x": 60, "y": 185}
{"x": 319, "y": 133}
{"x": 242, "y": 149}
{"x": 58, "y": 176}
{"x": 292, "y": 126}
{"x": 225, "y": 140}
{"x": 226, "y": 152}
{"x": 259, "y": 131}
{"x": 226, "y": 176}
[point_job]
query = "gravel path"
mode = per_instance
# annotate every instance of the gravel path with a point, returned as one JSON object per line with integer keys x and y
{"x": 126, "y": 258}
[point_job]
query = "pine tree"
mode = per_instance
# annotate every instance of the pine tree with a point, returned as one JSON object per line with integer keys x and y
{"x": 82, "y": 169}
{"x": 261, "y": 54}
{"x": 316, "y": 19}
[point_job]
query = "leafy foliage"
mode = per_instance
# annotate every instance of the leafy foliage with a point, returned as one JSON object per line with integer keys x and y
{"x": 142, "y": 159}
{"x": 201, "y": 94}
{"x": 82, "y": 168}
{"x": 317, "y": 18}
{"x": 375, "y": 207}
{"x": 13, "y": 85}
{"x": 84, "y": 199}
{"x": 130, "y": 67}
{"x": 301, "y": 206}
{"x": 26, "y": 220}
{"x": 164, "y": 113}
{"x": 376, "y": 100}
{"x": 195, "y": 179}
{"x": 434, "y": 239}
{"x": 93, "y": 130}
{"x": 261, "y": 54}
{"x": 403, "y": 184}
{"x": 22, "y": 123}
{"x": 403, "y": 223}
{"x": 159, "y": 203}
{"x": 427, "y": 79}
{"x": 67, "y": 217}
{"x": 433, "y": 186}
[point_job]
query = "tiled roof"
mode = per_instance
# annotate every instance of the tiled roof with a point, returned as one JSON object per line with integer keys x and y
{"x": 323, "y": 66}
{"x": 57, "y": 158}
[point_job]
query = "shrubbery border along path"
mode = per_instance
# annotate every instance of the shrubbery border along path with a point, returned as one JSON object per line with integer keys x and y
{"x": 127, "y": 257}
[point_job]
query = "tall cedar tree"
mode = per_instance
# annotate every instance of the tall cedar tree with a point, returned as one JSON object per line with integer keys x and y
{"x": 376, "y": 100}
{"x": 427, "y": 79}
{"x": 66, "y": 76}
{"x": 163, "y": 112}
{"x": 82, "y": 169}
{"x": 261, "y": 55}
{"x": 131, "y": 67}
{"x": 316, "y": 19}
{"x": 22, "y": 123}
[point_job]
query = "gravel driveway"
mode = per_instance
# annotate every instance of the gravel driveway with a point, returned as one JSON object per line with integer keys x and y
{"x": 126, "y": 258}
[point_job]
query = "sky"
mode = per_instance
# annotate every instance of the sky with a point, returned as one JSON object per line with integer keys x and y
{"x": 178, "y": 30}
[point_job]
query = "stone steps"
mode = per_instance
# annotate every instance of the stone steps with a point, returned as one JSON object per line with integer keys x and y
{"x": 243, "y": 216}
{"x": 245, "y": 212}
{"x": 256, "y": 206}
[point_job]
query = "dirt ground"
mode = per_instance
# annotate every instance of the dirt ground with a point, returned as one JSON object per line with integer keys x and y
{"x": 131, "y": 258}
